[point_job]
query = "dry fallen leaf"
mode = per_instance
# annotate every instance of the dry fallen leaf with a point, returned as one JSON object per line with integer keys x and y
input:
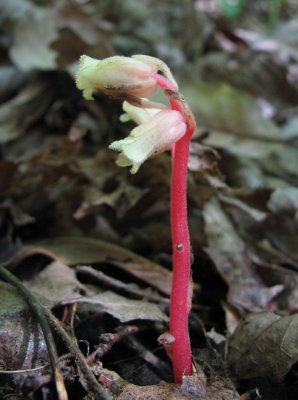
{"x": 80, "y": 250}
{"x": 58, "y": 284}
{"x": 231, "y": 257}
{"x": 264, "y": 344}
{"x": 120, "y": 307}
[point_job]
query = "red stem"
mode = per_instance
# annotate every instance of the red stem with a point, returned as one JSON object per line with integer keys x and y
{"x": 181, "y": 285}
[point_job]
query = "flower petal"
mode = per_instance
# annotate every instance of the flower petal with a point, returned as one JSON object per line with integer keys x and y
{"x": 150, "y": 138}
{"x": 116, "y": 76}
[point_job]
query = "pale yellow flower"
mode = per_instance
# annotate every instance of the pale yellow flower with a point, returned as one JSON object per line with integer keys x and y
{"x": 117, "y": 76}
{"x": 150, "y": 138}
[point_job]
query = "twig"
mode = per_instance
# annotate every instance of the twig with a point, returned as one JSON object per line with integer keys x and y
{"x": 38, "y": 310}
{"x": 120, "y": 286}
{"x": 108, "y": 340}
{"x": 92, "y": 384}
{"x": 159, "y": 366}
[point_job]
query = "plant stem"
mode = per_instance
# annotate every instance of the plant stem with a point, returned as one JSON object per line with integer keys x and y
{"x": 181, "y": 285}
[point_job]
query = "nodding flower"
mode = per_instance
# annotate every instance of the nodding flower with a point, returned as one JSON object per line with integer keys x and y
{"x": 116, "y": 76}
{"x": 150, "y": 138}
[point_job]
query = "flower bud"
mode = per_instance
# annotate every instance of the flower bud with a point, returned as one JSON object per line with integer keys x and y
{"x": 149, "y": 139}
{"x": 117, "y": 76}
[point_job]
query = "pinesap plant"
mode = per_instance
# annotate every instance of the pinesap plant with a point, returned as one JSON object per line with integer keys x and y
{"x": 159, "y": 128}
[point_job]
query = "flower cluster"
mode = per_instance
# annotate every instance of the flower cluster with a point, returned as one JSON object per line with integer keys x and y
{"x": 134, "y": 79}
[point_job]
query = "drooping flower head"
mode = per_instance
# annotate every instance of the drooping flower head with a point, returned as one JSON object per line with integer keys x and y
{"x": 149, "y": 139}
{"x": 115, "y": 76}
{"x": 121, "y": 76}
{"x": 135, "y": 78}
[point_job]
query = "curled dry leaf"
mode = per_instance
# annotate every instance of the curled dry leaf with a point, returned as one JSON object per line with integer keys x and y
{"x": 264, "y": 344}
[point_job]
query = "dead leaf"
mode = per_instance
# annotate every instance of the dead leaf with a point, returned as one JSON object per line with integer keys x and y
{"x": 278, "y": 158}
{"x": 255, "y": 214}
{"x": 203, "y": 159}
{"x": 80, "y": 250}
{"x": 120, "y": 307}
{"x": 17, "y": 114}
{"x": 230, "y": 256}
{"x": 57, "y": 282}
{"x": 122, "y": 199}
{"x": 264, "y": 344}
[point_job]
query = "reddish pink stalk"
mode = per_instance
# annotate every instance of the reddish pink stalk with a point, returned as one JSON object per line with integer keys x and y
{"x": 181, "y": 285}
